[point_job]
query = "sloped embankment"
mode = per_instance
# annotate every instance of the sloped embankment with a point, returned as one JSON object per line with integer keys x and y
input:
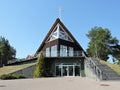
{"x": 15, "y": 68}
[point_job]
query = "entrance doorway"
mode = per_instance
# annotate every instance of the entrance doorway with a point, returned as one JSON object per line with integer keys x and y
{"x": 67, "y": 70}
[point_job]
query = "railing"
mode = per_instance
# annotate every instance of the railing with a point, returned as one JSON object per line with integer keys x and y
{"x": 96, "y": 70}
{"x": 62, "y": 54}
{"x": 16, "y": 61}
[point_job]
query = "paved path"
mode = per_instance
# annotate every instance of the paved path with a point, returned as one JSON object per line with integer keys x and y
{"x": 65, "y": 83}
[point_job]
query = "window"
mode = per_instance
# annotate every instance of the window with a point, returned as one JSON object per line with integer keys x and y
{"x": 54, "y": 35}
{"x": 58, "y": 70}
{"x": 77, "y": 70}
{"x": 59, "y": 33}
{"x": 63, "y": 50}
{"x": 70, "y": 51}
{"x": 54, "y": 51}
{"x": 63, "y": 35}
{"x": 52, "y": 38}
{"x": 47, "y": 52}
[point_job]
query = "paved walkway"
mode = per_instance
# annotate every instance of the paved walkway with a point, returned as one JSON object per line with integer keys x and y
{"x": 65, "y": 83}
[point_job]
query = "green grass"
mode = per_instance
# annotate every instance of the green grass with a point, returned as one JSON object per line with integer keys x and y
{"x": 13, "y": 68}
{"x": 114, "y": 67}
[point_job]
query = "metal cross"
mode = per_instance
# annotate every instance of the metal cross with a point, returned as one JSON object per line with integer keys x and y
{"x": 60, "y": 13}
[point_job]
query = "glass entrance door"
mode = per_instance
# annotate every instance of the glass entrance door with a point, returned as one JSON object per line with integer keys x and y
{"x": 67, "y": 70}
{"x": 70, "y": 70}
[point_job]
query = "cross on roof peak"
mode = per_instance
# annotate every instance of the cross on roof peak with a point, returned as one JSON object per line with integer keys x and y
{"x": 60, "y": 10}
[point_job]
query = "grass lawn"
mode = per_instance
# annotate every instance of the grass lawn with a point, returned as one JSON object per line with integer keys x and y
{"x": 114, "y": 67}
{"x": 11, "y": 69}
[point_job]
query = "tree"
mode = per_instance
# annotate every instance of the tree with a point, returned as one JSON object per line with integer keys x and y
{"x": 100, "y": 43}
{"x": 7, "y": 52}
{"x": 40, "y": 67}
{"x": 115, "y": 51}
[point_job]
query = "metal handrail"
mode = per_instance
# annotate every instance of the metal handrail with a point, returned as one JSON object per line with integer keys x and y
{"x": 97, "y": 68}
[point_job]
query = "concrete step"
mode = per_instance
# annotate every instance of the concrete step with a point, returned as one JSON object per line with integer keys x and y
{"x": 108, "y": 73}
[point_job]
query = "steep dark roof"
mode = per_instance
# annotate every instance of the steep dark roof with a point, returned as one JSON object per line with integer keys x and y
{"x": 52, "y": 28}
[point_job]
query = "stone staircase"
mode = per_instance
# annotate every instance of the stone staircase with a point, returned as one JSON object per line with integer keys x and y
{"x": 102, "y": 71}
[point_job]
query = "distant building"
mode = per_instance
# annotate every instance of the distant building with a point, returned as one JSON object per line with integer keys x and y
{"x": 30, "y": 57}
{"x": 63, "y": 53}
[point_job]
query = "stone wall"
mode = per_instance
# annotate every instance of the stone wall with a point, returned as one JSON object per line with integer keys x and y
{"x": 88, "y": 72}
{"x": 27, "y": 72}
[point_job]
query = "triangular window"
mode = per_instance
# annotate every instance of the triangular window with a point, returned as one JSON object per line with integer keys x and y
{"x": 59, "y": 32}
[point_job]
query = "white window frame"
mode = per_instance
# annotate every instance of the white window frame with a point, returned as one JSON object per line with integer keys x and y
{"x": 71, "y": 50}
{"x": 54, "y": 51}
{"x": 63, "y": 51}
{"x": 48, "y": 52}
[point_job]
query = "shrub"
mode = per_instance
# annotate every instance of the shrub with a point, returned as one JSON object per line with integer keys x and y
{"x": 18, "y": 76}
{"x": 7, "y": 76}
{"x": 40, "y": 67}
{"x": 11, "y": 76}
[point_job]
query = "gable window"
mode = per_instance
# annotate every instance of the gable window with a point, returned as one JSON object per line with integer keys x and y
{"x": 59, "y": 32}
{"x": 70, "y": 51}
{"x": 47, "y": 52}
{"x": 63, "y": 50}
{"x": 54, "y": 35}
{"x": 54, "y": 51}
{"x": 63, "y": 35}
{"x": 52, "y": 38}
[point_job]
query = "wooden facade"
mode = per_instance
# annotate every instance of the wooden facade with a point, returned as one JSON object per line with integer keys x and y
{"x": 74, "y": 44}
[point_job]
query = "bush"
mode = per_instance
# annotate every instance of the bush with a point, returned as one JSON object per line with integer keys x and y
{"x": 19, "y": 76}
{"x": 39, "y": 67}
{"x": 7, "y": 76}
{"x": 11, "y": 76}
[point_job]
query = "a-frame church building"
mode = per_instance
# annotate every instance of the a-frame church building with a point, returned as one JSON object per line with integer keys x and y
{"x": 64, "y": 56}
{"x": 63, "y": 53}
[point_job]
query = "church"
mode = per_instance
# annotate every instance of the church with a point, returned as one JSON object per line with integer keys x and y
{"x": 64, "y": 56}
{"x": 62, "y": 52}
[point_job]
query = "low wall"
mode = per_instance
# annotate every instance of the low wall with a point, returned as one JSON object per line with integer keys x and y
{"x": 89, "y": 73}
{"x": 27, "y": 72}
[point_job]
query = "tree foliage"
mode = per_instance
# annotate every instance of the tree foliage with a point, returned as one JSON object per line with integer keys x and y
{"x": 115, "y": 51}
{"x": 7, "y": 52}
{"x": 40, "y": 67}
{"x": 100, "y": 43}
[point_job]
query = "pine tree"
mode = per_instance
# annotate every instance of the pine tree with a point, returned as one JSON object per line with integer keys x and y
{"x": 100, "y": 43}
{"x": 40, "y": 67}
{"x": 7, "y": 52}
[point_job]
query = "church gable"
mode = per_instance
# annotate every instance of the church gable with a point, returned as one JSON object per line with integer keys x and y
{"x": 59, "y": 38}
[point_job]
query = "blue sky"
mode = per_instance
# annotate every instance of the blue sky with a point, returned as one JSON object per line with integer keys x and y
{"x": 25, "y": 23}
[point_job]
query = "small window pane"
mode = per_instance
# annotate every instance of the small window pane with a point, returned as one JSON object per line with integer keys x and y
{"x": 70, "y": 51}
{"x": 54, "y": 51}
{"x": 47, "y": 52}
{"x": 63, "y": 50}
